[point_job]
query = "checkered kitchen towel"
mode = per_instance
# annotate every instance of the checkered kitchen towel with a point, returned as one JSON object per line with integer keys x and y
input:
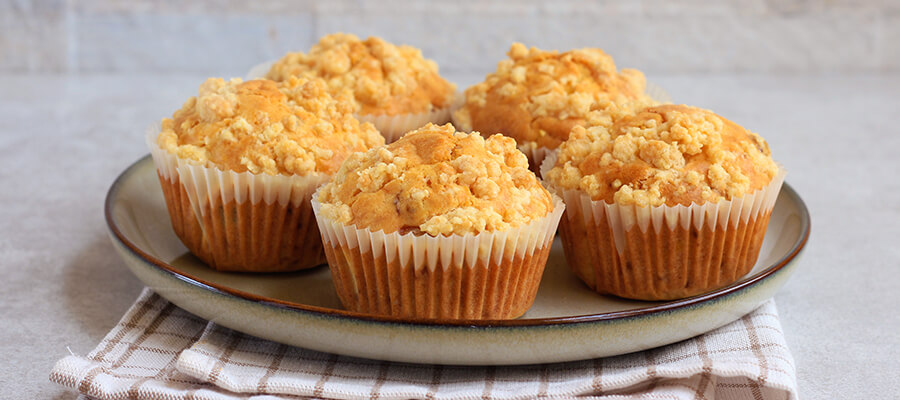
{"x": 159, "y": 351}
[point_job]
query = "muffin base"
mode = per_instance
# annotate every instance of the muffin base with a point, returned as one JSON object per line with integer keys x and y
{"x": 245, "y": 237}
{"x": 485, "y": 290}
{"x": 664, "y": 264}
{"x": 485, "y": 275}
{"x": 663, "y": 253}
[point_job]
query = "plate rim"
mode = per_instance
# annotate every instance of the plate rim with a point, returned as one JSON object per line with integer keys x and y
{"x": 657, "y": 308}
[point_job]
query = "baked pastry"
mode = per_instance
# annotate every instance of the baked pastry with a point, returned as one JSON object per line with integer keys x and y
{"x": 439, "y": 225}
{"x": 239, "y": 162}
{"x": 536, "y": 97}
{"x": 668, "y": 203}
{"x": 393, "y": 87}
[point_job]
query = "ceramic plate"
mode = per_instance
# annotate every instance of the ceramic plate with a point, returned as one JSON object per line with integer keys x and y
{"x": 567, "y": 322}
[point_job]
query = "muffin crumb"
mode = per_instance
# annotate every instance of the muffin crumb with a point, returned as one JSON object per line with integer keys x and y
{"x": 437, "y": 181}
{"x": 382, "y": 78}
{"x": 263, "y": 127}
{"x": 538, "y": 96}
{"x": 664, "y": 155}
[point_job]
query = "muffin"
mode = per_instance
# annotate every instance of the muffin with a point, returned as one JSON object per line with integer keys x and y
{"x": 536, "y": 97}
{"x": 393, "y": 87}
{"x": 437, "y": 225}
{"x": 239, "y": 162}
{"x": 668, "y": 203}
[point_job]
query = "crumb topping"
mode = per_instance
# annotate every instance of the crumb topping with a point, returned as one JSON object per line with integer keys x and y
{"x": 383, "y": 78}
{"x": 538, "y": 96}
{"x": 291, "y": 127}
{"x": 437, "y": 181}
{"x": 669, "y": 154}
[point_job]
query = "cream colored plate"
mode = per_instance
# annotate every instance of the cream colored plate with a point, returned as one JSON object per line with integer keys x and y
{"x": 567, "y": 322}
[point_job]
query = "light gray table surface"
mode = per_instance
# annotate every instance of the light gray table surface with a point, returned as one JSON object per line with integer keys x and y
{"x": 63, "y": 139}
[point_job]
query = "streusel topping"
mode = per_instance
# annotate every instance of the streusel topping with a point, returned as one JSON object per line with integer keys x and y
{"x": 292, "y": 127}
{"x": 383, "y": 78}
{"x": 437, "y": 181}
{"x": 669, "y": 154}
{"x": 538, "y": 96}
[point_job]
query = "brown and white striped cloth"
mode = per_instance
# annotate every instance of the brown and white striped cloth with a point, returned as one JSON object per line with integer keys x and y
{"x": 159, "y": 351}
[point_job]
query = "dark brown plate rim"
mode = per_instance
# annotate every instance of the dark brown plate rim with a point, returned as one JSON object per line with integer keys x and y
{"x": 528, "y": 322}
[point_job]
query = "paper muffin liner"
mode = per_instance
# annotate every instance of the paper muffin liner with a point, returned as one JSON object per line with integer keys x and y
{"x": 260, "y": 70}
{"x": 657, "y": 93}
{"x": 532, "y": 151}
{"x": 240, "y": 221}
{"x": 489, "y": 275}
{"x": 393, "y": 127}
{"x": 535, "y": 155}
{"x": 663, "y": 252}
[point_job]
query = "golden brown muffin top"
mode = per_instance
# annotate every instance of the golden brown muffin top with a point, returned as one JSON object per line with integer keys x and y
{"x": 383, "y": 78}
{"x": 437, "y": 181}
{"x": 538, "y": 96}
{"x": 669, "y": 154}
{"x": 291, "y": 127}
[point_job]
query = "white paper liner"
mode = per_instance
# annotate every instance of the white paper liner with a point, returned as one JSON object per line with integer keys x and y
{"x": 205, "y": 182}
{"x": 393, "y": 127}
{"x": 657, "y": 93}
{"x": 260, "y": 70}
{"x": 459, "y": 125}
{"x": 426, "y": 251}
{"x": 622, "y": 218}
{"x": 535, "y": 154}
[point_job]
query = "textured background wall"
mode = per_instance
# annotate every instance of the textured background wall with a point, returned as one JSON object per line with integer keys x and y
{"x": 222, "y": 37}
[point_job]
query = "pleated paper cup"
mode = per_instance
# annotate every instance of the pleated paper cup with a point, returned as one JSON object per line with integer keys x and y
{"x": 260, "y": 70}
{"x": 657, "y": 93}
{"x": 535, "y": 154}
{"x": 532, "y": 151}
{"x": 240, "y": 221}
{"x": 393, "y": 127}
{"x": 663, "y": 252}
{"x": 489, "y": 275}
